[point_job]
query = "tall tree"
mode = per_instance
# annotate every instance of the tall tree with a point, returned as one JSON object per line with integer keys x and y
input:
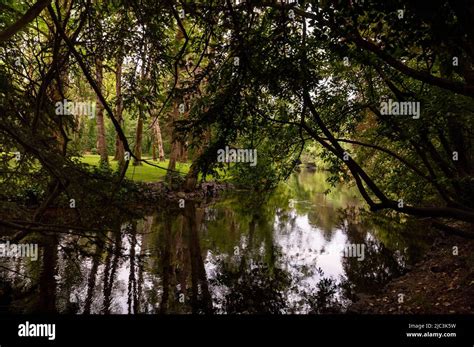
{"x": 158, "y": 152}
{"x": 101, "y": 139}
{"x": 119, "y": 150}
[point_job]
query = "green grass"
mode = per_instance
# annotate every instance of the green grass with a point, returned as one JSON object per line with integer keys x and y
{"x": 144, "y": 172}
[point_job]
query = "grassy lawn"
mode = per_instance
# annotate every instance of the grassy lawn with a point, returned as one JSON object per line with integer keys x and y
{"x": 145, "y": 172}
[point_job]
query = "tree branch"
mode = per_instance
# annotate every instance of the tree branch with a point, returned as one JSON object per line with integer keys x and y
{"x": 31, "y": 14}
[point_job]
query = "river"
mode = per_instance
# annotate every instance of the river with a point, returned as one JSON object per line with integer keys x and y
{"x": 242, "y": 253}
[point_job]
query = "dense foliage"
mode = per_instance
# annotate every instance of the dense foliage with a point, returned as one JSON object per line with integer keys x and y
{"x": 273, "y": 76}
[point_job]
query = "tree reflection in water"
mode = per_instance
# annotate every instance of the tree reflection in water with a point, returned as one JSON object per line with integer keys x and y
{"x": 241, "y": 254}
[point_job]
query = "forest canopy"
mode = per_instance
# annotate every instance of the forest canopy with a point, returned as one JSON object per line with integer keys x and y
{"x": 380, "y": 93}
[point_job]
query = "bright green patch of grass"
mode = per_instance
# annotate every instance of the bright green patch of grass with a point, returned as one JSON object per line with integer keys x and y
{"x": 144, "y": 172}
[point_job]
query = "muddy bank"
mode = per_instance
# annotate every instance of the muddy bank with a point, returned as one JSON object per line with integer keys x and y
{"x": 441, "y": 283}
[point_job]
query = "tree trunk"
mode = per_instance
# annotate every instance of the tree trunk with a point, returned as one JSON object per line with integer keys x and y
{"x": 119, "y": 150}
{"x": 176, "y": 144}
{"x": 175, "y": 147}
{"x": 193, "y": 173}
{"x": 157, "y": 141}
{"x": 138, "y": 141}
{"x": 139, "y": 133}
{"x": 101, "y": 141}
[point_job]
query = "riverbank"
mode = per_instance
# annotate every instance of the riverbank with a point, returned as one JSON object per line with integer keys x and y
{"x": 159, "y": 191}
{"x": 441, "y": 283}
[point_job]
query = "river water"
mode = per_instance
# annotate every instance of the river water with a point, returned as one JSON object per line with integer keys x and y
{"x": 243, "y": 253}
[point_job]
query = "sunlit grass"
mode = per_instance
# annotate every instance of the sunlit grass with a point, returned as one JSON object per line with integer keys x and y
{"x": 144, "y": 172}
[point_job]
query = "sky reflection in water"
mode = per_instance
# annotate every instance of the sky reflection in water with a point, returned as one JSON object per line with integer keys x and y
{"x": 241, "y": 254}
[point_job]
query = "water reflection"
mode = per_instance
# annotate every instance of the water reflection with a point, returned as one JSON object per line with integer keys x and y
{"x": 281, "y": 253}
